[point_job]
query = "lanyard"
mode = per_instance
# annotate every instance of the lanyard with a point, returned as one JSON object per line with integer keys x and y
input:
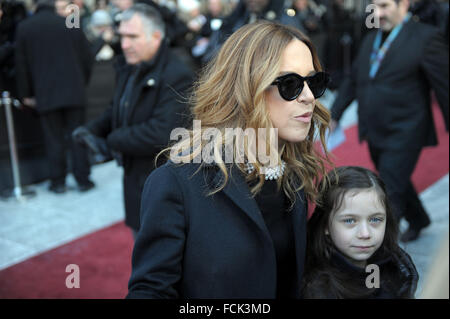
{"x": 378, "y": 54}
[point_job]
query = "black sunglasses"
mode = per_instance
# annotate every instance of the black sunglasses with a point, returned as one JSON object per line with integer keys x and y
{"x": 291, "y": 85}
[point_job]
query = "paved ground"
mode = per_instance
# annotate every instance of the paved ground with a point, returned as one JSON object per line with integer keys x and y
{"x": 49, "y": 220}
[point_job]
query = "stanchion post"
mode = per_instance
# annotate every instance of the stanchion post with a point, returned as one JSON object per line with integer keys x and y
{"x": 7, "y": 102}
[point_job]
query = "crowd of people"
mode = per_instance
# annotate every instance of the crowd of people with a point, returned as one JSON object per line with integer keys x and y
{"x": 239, "y": 230}
{"x": 198, "y": 27}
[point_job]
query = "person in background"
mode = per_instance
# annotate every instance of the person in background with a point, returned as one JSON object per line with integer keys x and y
{"x": 119, "y": 6}
{"x": 102, "y": 4}
{"x": 308, "y": 20}
{"x": 61, "y": 7}
{"x": 53, "y": 66}
{"x": 147, "y": 104}
{"x": 11, "y": 14}
{"x": 215, "y": 15}
{"x": 311, "y": 18}
{"x": 85, "y": 12}
{"x": 249, "y": 11}
{"x": 101, "y": 34}
{"x": 427, "y": 11}
{"x": 193, "y": 15}
{"x": 6, "y": 52}
{"x": 394, "y": 101}
{"x": 178, "y": 33}
{"x": 339, "y": 48}
{"x": 432, "y": 12}
{"x": 123, "y": 5}
{"x": 216, "y": 12}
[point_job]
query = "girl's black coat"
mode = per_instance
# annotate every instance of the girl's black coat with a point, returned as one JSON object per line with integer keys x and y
{"x": 398, "y": 278}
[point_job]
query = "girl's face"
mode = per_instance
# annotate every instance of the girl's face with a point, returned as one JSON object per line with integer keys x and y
{"x": 357, "y": 228}
{"x": 293, "y": 118}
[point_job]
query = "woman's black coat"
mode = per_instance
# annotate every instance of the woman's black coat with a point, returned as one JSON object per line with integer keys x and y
{"x": 195, "y": 246}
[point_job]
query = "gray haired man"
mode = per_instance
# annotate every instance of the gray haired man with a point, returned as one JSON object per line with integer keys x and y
{"x": 141, "y": 31}
{"x": 147, "y": 103}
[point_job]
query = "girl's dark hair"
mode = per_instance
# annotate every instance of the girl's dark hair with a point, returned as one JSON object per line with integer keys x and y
{"x": 319, "y": 245}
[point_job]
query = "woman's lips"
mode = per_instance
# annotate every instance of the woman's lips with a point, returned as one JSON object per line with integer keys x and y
{"x": 305, "y": 118}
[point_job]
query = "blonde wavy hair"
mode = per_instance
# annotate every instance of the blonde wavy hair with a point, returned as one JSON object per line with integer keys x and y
{"x": 230, "y": 93}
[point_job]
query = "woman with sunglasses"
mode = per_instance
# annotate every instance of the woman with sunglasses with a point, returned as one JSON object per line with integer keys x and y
{"x": 215, "y": 229}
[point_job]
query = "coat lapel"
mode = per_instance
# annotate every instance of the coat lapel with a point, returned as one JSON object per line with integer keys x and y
{"x": 238, "y": 191}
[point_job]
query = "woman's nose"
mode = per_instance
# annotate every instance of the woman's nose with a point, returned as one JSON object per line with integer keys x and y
{"x": 306, "y": 96}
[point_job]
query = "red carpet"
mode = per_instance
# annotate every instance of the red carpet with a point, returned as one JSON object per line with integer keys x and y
{"x": 104, "y": 257}
{"x": 104, "y": 260}
{"x": 433, "y": 162}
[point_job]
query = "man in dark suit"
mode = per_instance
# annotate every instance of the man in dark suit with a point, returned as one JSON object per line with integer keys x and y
{"x": 392, "y": 78}
{"x": 53, "y": 65}
{"x": 147, "y": 105}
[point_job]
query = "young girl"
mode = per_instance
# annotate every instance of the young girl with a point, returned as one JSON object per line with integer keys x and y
{"x": 353, "y": 228}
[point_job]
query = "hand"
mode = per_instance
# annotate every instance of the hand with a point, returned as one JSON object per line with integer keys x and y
{"x": 333, "y": 125}
{"x": 29, "y": 101}
{"x": 79, "y": 134}
{"x": 96, "y": 144}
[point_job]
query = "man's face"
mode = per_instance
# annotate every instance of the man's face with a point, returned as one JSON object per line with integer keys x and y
{"x": 79, "y": 3}
{"x": 256, "y": 6}
{"x": 61, "y": 7}
{"x": 215, "y": 7}
{"x": 137, "y": 45}
{"x": 123, "y": 4}
{"x": 390, "y": 13}
{"x": 301, "y": 4}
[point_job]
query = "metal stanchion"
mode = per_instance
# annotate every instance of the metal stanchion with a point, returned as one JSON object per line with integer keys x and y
{"x": 18, "y": 192}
